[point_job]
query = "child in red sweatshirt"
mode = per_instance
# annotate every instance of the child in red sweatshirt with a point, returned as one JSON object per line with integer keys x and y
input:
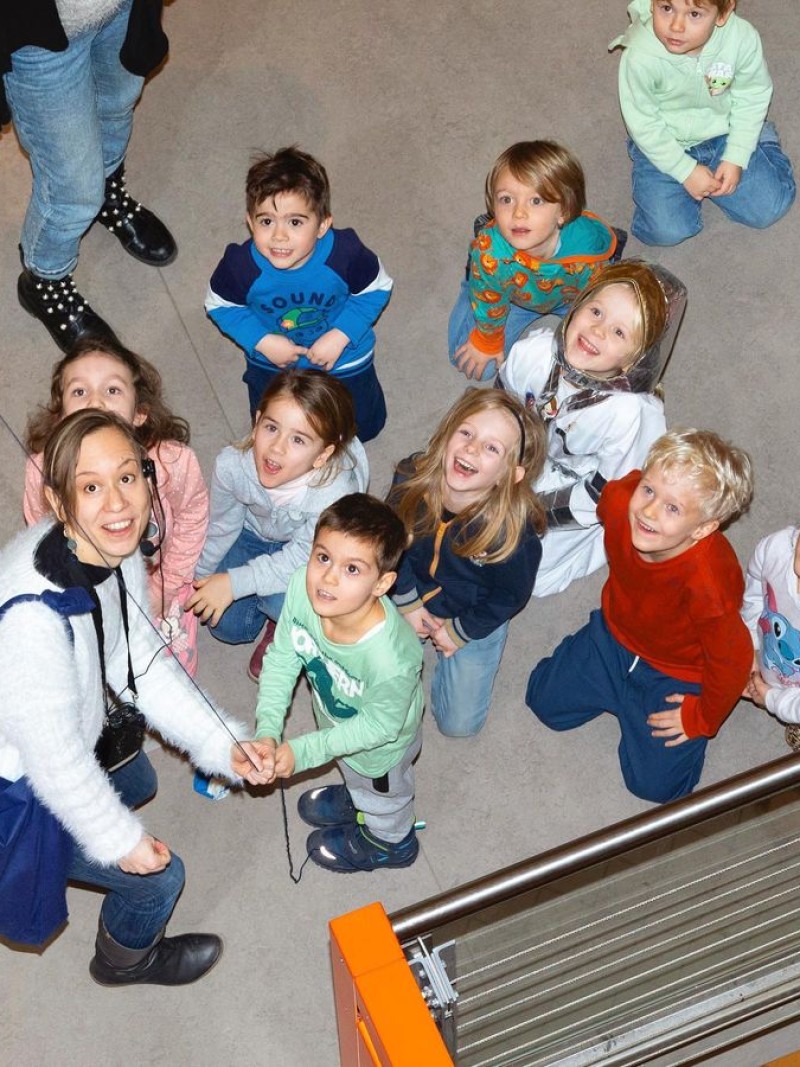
{"x": 668, "y": 654}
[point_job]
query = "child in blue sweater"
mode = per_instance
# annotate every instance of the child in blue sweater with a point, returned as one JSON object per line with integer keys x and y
{"x": 300, "y": 293}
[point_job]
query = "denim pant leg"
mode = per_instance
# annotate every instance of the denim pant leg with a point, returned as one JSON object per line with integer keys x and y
{"x": 73, "y": 118}
{"x": 664, "y": 213}
{"x": 244, "y": 620}
{"x": 461, "y": 690}
{"x": 136, "y": 907}
{"x": 582, "y": 679}
{"x": 462, "y": 323}
{"x": 651, "y": 770}
{"x": 766, "y": 188}
{"x": 369, "y": 403}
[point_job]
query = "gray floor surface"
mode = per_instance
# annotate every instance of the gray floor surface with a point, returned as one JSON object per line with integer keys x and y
{"x": 407, "y": 105}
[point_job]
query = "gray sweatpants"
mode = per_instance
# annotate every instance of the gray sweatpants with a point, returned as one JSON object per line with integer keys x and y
{"x": 388, "y": 815}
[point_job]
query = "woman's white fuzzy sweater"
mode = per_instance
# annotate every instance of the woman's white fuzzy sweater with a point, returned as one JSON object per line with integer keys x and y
{"x": 52, "y": 709}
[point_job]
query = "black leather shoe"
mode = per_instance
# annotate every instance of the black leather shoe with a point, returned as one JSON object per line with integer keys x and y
{"x": 60, "y": 308}
{"x": 138, "y": 230}
{"x": 171, "y": 961}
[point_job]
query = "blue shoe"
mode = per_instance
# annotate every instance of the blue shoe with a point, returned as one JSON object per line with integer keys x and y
{"x": 352, "y": 848}
{"x": 210, "y": 788}
{"x": 329, "y": 805}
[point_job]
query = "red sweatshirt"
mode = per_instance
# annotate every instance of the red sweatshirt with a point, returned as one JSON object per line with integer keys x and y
{"x": 681, "y": 615}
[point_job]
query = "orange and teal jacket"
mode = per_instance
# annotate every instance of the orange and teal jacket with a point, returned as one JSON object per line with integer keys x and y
{"x": 499, "y": 275}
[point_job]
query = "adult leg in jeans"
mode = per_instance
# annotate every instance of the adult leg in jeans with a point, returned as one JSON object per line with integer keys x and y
{"x": 72, "y": 127}
{"x": 461, "y": 690}
{"x": 136, "y": 907}
{"x": 244, "y": 620}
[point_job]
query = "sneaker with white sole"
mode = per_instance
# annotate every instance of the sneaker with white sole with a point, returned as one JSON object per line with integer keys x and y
{"x": 349, "y": 848}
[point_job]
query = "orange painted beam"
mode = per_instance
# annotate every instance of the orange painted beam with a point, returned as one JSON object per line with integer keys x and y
{"x": 383, "y": 1020}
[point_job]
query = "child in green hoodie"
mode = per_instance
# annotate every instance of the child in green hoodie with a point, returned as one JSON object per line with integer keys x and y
{"x": 694, "y": 91}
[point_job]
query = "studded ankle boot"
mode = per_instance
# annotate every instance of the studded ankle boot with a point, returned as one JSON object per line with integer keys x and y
{"x": 61, "y": 309}
{"x": 138, "y": 230}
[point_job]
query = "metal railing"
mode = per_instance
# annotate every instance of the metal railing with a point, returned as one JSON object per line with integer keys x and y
{"x": 633, "y": 945}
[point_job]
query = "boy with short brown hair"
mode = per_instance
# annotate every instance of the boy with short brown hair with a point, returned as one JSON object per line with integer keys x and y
{"x": 363, "y": 663}
{"x": 668, "y": 654}
{"x": 694, "y": 92}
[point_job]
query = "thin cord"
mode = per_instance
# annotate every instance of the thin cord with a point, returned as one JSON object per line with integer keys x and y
{"x": 294, "y": 877}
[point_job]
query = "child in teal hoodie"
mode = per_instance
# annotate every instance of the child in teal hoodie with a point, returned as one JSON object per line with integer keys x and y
{"x": 694, "y": 91}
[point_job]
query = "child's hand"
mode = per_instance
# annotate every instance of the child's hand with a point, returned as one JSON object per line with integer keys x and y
{"x": 211, "y": 597}
{"x": 669, "y": 723}
{"x": 280, "y": 350}
{"x": 327, "y": 349}
{"x": 701, "y": 183}
{"x": 422, "y": 622}
{"x": 258, "y": 766}
{"x": 728, "y": 175}
{"x": 443, "y": 642}
{"x": 472, "y": 362}
{"x": 284, "y": 761}
{"x": 757, "y": 689}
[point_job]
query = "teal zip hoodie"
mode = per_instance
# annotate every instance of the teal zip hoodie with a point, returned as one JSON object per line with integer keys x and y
{"x": 671, "y": 103}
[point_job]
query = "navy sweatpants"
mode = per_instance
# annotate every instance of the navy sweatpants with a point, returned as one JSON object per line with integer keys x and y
{"x": 591, "y": 673}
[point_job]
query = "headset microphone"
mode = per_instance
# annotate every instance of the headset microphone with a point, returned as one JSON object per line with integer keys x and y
{"x": 147, "y": 546}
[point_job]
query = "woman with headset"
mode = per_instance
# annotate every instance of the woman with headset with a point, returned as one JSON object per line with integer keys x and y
{"x": 82, "y": 671}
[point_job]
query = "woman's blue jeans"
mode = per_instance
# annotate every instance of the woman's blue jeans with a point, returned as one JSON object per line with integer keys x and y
{"x": 244, "y": 620}
{"x": 137, "y": 906}
{"x": 665, "y": 214}
{"x": 73, "y": 112}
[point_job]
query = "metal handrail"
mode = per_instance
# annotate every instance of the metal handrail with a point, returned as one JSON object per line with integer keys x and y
{"x": 764, "y": 781}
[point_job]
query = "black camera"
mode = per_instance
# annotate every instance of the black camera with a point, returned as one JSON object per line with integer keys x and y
{"x": 122, "y": 736}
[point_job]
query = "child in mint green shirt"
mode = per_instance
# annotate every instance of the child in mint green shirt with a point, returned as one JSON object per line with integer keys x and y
{"x": 694, "y": 92}
{"x": 363, "y": 663}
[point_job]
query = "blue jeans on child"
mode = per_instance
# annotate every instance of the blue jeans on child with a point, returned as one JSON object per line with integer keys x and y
{"x": 665, "y": 214}
{"x": 73, "y": 112}
{"x": 462, "y": 323}
{"x": 369, "y": 402}
{"x": 136, "y": 907}
{"x": 461, "y": 689}
{"x": 591, "y": 673}
{"x": 244, "y": 620}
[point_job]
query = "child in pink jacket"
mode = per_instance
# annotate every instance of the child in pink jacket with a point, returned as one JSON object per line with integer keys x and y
{"x": 100, "y": 373}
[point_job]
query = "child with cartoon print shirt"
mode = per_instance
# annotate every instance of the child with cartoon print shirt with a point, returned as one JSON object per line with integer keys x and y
{"x": 771, "y": 611}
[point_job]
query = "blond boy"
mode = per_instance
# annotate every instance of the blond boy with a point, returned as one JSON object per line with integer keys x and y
{"x": 668, "y": 654}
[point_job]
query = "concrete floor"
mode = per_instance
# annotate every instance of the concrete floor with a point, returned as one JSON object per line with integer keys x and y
{"x": 407, "y": 105}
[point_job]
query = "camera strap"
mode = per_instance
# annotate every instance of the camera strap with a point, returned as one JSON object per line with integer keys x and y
{"x": 97, "y": 619}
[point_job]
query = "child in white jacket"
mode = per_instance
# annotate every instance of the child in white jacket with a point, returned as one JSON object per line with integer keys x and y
{"x": 592, "y": 380}
{"x": 771, "y": 611}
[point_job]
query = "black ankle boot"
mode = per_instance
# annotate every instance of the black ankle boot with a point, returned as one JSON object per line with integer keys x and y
{"x": 59, "y": 306}
{"x": 168, "y": 961}
{"x": 138, "y": 230}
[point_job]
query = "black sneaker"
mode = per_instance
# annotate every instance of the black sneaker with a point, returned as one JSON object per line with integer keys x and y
{"x": 61, "y": 309}
{"x": 141, "y": 233}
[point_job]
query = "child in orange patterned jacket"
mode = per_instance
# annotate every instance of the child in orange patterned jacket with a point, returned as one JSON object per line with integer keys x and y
{"x": 533, "y": 254}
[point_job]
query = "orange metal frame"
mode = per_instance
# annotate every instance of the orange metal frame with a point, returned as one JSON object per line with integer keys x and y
{"x": 383, "y": 1020}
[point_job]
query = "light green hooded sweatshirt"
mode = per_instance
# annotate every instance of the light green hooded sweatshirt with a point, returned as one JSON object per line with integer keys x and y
{"x": 671, "y": 103}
